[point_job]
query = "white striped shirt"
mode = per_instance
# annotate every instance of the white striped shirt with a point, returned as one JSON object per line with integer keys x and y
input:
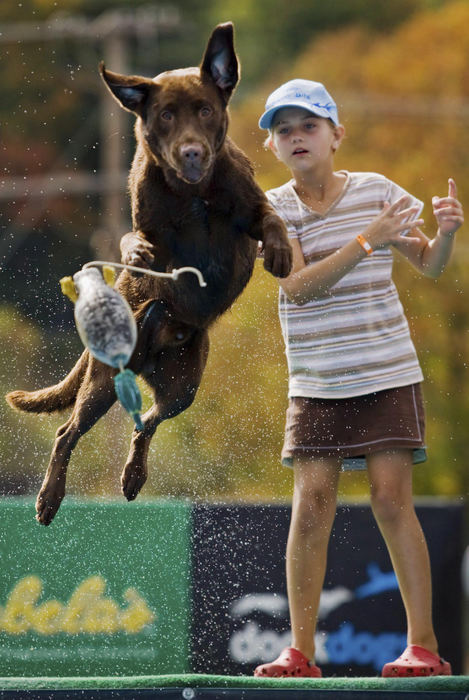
{"x": 354, "y": 339}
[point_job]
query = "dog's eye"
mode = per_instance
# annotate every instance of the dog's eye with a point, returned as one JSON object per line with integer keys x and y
{"x": 166, "y": 115}
{"x": 205, "y": 111}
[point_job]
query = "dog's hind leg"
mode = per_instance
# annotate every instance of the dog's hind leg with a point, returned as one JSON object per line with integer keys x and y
{"x": 135, "y": 471}
{"x": 175, "y": 378}
{"x": 95, "y": 397}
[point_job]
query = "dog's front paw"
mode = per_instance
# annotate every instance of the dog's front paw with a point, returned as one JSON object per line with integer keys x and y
{"x": 141, "y": 254}
{"x": 278, "y": 258}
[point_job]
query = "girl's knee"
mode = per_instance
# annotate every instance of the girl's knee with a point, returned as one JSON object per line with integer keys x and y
{"x": 313, "y": 509}
{"x": 390, "y": 504}
{"x": 315, "y": 495}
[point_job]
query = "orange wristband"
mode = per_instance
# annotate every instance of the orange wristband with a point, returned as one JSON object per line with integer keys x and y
{"x": 364, "y": 244}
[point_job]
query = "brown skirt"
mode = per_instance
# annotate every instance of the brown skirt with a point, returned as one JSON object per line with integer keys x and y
{"x": 354, "y": 427}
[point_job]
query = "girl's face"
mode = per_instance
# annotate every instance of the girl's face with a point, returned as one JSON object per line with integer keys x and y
{"x": 303, "y": 141}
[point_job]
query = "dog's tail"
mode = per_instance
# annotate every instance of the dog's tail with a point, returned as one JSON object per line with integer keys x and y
{"x": 52, "y": 398}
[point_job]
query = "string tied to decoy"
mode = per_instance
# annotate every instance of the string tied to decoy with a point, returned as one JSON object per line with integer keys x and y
{"x": 106, "y": 324}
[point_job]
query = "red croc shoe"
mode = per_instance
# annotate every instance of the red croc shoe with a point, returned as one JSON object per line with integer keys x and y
{"x": 417, "y": 661}
{"x": 291, "y": 662}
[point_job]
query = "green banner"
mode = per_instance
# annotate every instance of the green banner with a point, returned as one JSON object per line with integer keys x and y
{"x": 104, "y": 590}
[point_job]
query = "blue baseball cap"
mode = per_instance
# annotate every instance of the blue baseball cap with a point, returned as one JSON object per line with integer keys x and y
{"x": 300, "y": 93}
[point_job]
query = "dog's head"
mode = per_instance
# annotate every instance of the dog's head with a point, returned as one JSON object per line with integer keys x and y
{"x": 182, "y": 113}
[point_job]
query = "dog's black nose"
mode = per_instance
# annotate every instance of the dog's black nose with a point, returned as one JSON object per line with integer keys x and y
{"x": 192, "y": 152}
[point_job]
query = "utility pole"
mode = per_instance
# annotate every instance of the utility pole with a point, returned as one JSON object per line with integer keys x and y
{"x": 114, "y": 123}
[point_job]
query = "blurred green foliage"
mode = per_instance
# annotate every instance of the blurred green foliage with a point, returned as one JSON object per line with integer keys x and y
{"x": 399, "y": 73}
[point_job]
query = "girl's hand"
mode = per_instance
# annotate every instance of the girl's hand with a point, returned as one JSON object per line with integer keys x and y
{"x": 448, "y": 211}
{"x": 388, "y": 227}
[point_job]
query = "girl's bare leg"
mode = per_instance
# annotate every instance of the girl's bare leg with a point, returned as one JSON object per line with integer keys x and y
{"x": 313, "y": 511}
{"x": 390, "y": 476}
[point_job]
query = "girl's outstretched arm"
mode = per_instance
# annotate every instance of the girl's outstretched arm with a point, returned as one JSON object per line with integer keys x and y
{"x": 432, "y": 256}
{"x": 310, "y": 281}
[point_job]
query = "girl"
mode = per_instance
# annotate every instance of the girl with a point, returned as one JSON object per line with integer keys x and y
{"x": 354, "y": 376}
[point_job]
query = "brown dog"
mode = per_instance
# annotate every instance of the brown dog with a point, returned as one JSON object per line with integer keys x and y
{"x": 194, "y": 202}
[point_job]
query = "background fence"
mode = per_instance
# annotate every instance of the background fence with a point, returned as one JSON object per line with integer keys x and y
{"x": 170, "y": 587}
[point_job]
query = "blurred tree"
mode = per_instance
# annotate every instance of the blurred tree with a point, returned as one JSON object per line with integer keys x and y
{"x": 271, "y": 33}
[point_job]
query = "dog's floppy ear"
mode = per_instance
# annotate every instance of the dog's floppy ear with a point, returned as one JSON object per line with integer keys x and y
{"x": 220, "y": 62}
{"x": 131, "y": 91}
